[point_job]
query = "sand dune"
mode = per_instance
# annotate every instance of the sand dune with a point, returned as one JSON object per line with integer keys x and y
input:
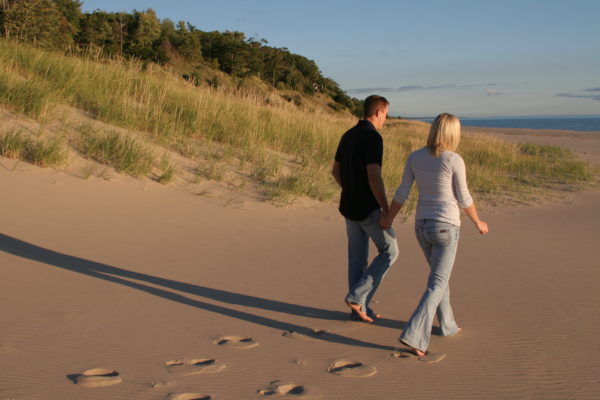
{"x": 583, "y": 144}
{"x": 185, "y": 299}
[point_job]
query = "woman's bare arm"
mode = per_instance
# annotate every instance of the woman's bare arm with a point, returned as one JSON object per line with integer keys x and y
{"x": 471, "y": 212}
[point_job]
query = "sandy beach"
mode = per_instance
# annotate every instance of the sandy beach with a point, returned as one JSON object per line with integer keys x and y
{"x": 583, "y": 144}
{"x": 187, "y": 299}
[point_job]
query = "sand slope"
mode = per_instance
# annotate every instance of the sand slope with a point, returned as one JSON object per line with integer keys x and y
{"x": 584, "y": 144}
{"x": 181, "y": 296}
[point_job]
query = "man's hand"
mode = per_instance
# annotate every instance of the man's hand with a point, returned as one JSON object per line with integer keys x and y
{"x": 387, "y": 217}
{"x": 385, "y": 221}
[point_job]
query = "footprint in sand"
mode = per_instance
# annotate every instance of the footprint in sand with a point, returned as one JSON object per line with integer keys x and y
{"x": 308, "y": 335}
{"x": 188, "y": 396}
{"x": 403, "y": 354}
{"x": 429, "y": 358}
{"x": 279, "y": 388}
{"x": 352, "y": 369}
{"x": 432, "y": 358}
{"x": 239, "y": 342}
{"x": 191, "y": 367}
{"x": 97, "y": 377}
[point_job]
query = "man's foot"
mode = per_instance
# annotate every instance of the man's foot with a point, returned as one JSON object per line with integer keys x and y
{"x": 357, "y": 309}
{"x": 412, "y": 349}
{"x": 354, "y": 316}
{"x": 372, "y": 314}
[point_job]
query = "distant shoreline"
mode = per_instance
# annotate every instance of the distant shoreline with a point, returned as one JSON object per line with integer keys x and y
{"x": 580, "y": 123}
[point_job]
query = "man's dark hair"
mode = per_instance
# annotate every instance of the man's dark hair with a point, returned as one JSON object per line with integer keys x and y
{"x": 372, "y": 104}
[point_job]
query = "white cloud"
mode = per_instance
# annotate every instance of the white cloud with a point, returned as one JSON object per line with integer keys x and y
{"x": 491, "y": 92}
{"x": 579, "y": 96}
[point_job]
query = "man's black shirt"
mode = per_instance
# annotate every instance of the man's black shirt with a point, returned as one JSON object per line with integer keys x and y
{"x": 360, "y": 146}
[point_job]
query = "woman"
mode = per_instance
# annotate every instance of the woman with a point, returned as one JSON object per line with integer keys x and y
{"x": 441, "y": 180}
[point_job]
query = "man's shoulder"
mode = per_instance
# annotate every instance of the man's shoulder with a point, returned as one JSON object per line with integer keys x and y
{"x": 363, "y": 126}
{"x": 359, "y": 131}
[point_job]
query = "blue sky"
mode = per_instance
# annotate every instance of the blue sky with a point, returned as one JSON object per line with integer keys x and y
{"x": 467, "y": 57}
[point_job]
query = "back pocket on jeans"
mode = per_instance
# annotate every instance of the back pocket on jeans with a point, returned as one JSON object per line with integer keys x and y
{"x": 440, "y": 236}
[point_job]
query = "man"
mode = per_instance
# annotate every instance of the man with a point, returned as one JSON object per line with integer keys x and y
{"x": 357, "y": 169}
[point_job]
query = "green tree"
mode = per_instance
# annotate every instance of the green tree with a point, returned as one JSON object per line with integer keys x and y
{"x": 183, "y": 38}
{"x": 71, "y": 11}
{"x": 274, "y": 65}
{"x": 144, "y": 34}
{"x": 96, "y": 30}
{"x": 3, "y": 10}
{"x": 37, "y": 21}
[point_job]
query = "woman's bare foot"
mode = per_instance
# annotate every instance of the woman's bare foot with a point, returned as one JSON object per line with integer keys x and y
{"x": 417, "y": 352}
{"x": 456, "y": 333}
{"x": 412, "y": 349}
{"x": 357, "y": 308}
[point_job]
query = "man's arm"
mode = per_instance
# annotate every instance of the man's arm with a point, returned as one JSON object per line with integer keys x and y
{"x": 385, "y": 221}
{"x": 377, "y": 187}
{"x": 337, "y": 172}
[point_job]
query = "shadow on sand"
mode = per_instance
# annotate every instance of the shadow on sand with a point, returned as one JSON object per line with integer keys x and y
{"x": 136, "y": 280}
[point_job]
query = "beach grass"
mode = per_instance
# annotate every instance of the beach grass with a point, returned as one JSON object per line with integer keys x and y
{"x": 122, "y": 152}
{"x": 13, "y": 144}
{"x": 39, "y": 151}
{"x": 168, "y": 170}
{"x": 47, "y": 153}
{"x": 287, "y": 151}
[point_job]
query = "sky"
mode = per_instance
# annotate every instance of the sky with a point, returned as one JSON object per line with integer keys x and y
{"x": 467, "y": 57}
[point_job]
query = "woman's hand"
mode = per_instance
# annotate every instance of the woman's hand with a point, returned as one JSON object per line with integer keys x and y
{"x": 387, "y": 217}
{"x": 482, "y": 227}
{"x": 385, "y": 221}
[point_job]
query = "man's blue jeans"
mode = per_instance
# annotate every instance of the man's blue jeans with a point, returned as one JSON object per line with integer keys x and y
{"x": 364, "y": 279}
{"x": 439, "y": 241}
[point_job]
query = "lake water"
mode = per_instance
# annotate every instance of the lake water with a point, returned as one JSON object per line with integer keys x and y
{"x": 587, "y": 123}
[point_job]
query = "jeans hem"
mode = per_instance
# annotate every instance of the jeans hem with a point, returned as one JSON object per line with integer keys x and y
{"x": 407, "y": 343}
{"x": 451, "y": 334}
{"x": 350, "y": 299}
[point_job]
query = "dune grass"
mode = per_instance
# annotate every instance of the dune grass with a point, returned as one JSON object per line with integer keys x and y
{"x": 287, "y": 151}
{"x": 47, "y": 154}
{"x": 13, "y": 144}
{"x": 122, "y": 152}
{"x": 168, "y": 170}
{"x": 42, "y": 152}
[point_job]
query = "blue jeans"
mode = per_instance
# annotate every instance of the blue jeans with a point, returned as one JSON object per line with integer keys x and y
{"x": 439, "y": 241}
{"x": 364, "y": 279}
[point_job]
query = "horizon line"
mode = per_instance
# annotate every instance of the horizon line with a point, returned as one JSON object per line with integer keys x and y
{"x": 488, "y": 116}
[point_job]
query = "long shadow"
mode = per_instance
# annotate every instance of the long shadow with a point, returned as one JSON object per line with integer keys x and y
{"x": 115, "y": 275}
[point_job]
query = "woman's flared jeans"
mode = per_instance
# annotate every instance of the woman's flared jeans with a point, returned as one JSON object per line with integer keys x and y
{"x": 439, "y": 241}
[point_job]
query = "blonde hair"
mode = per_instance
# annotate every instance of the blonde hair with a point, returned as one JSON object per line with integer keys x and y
{"x": 444, "y": 134}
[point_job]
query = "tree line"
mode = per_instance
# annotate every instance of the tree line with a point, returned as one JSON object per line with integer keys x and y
{"x": 61, "y": 24}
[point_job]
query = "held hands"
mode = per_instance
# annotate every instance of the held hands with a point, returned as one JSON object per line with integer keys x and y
{"x": 388, "y": 214}
{"x": 385, "y": 221}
